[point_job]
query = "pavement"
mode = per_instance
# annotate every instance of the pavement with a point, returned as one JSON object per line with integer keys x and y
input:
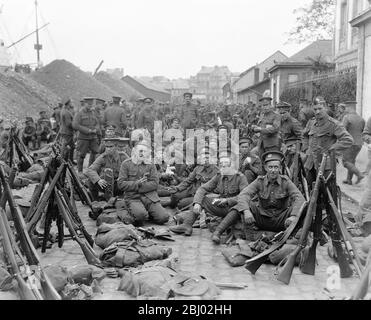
{"x": 354, "y": 192}
{"x": 199, "y": 255}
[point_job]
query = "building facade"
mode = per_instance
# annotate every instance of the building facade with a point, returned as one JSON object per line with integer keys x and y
{"x": 300, "y": 68}
{"x": 346, "y": 36}
{"x": 255, "y": 81}
{"x": 209, "y": 83}
{"x": 362, "y": 22}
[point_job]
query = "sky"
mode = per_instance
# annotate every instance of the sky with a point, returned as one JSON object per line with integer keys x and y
{"x": 173, "y": 38}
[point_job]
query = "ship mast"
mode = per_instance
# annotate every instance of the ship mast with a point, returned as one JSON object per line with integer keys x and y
{"x": 38, "y": 47}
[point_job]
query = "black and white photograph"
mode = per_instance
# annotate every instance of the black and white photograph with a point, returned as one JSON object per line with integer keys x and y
{"x": 185, "y": 155}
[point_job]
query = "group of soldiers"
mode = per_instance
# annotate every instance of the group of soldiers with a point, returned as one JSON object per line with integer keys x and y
{"x": 262, "y": 191}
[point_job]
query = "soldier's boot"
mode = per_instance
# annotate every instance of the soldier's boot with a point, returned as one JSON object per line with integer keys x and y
{"x": 231, "y": 218}
{"x": 186, "y": 227}
{"x": 349, "y": 177}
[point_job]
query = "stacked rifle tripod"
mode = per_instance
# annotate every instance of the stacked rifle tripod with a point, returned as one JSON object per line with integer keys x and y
{"x": 53, "y": 200}
{"x": 323, "y": 196}
{"x": 32, "y": 282}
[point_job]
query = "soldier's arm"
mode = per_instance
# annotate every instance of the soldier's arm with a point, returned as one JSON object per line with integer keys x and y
{"x": 274, "y": 128}
{"x": 187, "y": 182}
{"x": 344, "y": 139}
{"x": 152, "y": 183}
{"x": 95, "y": 169}
{"x": 297, "y": 199}
{"x": 246, "y": 195}
{"x": 123, "y": 181}
{"x": 77, "y": 126}
{"x": 367, "y": 132}
{"x": 242, "y": 184}
{"x": 208, "y": 187}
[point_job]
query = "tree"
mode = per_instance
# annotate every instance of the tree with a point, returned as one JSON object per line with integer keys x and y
{"x": 314, "y": 22}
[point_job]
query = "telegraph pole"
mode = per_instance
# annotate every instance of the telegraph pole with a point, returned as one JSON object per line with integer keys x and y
{"x": 38, "y": 47}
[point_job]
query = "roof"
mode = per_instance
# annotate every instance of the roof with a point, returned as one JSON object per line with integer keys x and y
{"x": 306, "y": 57}
{"x": 150, "y": 85}
{"x": 318, "y": 48}
{"x": 181, "y": 84}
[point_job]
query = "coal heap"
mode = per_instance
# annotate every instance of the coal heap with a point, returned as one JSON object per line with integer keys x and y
{"x": 68, "y": 81}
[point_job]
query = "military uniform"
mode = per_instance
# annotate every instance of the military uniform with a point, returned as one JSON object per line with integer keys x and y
{"x": 96, "y": 171}
{"x": 277, "y": 201}
{"x": 227, "y": 187}
{"x": 270, "y": 140}
{"x": 355, "y": 125}
{"x": 66, "y": 132}
{"x": 189, "y": 114}
{"x": 187, "y": 189}
{"x": 143, "y": 198}
{"x": 43, "y": 129}
{"x": 29, "y": 133}
{"x": 290, "y": 128}
{"x": 319, "y": 137}
{"x": 88, "y": 127}
{"x": 115, "y": 116}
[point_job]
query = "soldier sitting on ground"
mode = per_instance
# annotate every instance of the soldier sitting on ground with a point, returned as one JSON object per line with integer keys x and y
{"x": 106, "y": 166}
{"x": 139, "y": 181}
{"x": 250, "y": 164}
{"x": 29, "y": 134}
{"x": 228, "y": 183}
{"x": 182, "y": 195}
{"x": 279, "y": 200}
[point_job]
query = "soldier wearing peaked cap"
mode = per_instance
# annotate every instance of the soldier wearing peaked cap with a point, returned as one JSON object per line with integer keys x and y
{"x": 66, "y": 131}
{"x": 146, "y": 116}
{"x": 29, "y": 133}
{"x": 279, "y": 200}
{"x": 110, "y": 160}
{"x": 88, "y": 126}
{"x": 250, "y": 164}
{"x": 115, "y": 116}
{"x": 268, "y": 127}
{"x": 189, "y": 112}
{"x": 290, "y": 127}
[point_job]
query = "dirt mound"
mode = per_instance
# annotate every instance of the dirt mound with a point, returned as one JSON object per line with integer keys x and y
{"x": 68, "y": 81}
{"x": 21, "y": 96}
{"x": 118, "y": 86}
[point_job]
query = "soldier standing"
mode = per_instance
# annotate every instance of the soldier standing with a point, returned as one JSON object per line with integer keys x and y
{"x": 321, "y": 135}
{"x": 355, "y": 125}
{"x": 189, "y": 112}
{"x": 66, "y": 130}
{"x": 268, "y": 127}
{"x": 290, "y": 127}
{"x": 115, "y": 116}
{"x": 88, "y": 127}
{"x": 146, "y": 116}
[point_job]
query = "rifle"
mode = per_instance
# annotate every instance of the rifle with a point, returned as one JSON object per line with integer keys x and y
{"x": 255, "y": 263}
{"x": 286, "y": 271}
{"x": 309, "y": 265}
{"x": 34, "y": 217}
{"x": 349, "y": 243}
{"x": 26, "y": 243}
{"x": 88, "y": 251}
{"x": 24, "y": 291}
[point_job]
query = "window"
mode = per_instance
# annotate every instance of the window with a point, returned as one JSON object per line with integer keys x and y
{"x": 293, "y": 77}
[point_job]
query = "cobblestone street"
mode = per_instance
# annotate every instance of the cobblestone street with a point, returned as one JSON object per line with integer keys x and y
{"x": 199, "y": 255}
